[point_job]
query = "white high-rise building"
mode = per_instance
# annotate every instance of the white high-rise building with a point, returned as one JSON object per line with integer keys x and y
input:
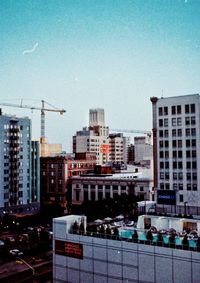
{"x": 93, "y": 138}
{"x": 16, "y": 166}
{"x": 176, "y": 142}
{"x": 143, "y": 148}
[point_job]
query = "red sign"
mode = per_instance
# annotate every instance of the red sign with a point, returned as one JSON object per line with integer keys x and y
{"x": 69, "y": 249}
{"x": 105, "y": 148}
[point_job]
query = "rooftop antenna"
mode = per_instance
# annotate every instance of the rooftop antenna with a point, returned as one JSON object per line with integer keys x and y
{"x": 162, "y": 93}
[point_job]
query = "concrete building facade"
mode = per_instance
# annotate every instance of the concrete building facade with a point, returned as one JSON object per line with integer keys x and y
{"x": 176, "y": 147}
{"x": 16, "y": 194}
{"x": 99, "y": 187}
{"x": 82, "y": 258}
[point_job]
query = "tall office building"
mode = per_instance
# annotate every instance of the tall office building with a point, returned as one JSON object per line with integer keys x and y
{"x": 176, "y": 148}
{"x": 93, "y": 138}
{"x": 16, "y": 168}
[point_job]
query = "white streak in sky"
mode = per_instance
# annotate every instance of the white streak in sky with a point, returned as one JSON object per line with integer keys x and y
{"x": 31, "y": 50}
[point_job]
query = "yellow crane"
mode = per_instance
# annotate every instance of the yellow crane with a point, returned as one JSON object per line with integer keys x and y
{"x": 43, "y": 109}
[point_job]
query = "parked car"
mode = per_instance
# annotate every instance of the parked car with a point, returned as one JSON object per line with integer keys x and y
{"x": 16, "y": 252}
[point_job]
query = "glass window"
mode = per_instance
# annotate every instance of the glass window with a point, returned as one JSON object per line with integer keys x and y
{"x": 187, "y": 120}
{"x": 187, "y": 143}
{"x": 193, "y": 121}
{"x": 173, "y": 110}
{"x": 178, "y": 109}
{"x": 187, "y": 153}
{"x": 161, "y": 143}
{"x": 179, "y": 121}
{"x": 160, "y": 133}
{"x": 160, "y": 111}
{"x": 166, "y": 122}
{"x": 174, "y": 165}
{"x": 180, "y": 187}
{"x": 180, "y": 165}
{"x": 180, "y": 176}
{"x": 179, "y": 143}
{"x": 174, "y": 154}
{"x": 175, "y": 176}
{"x": 166, "y": 154}
{"x": 180, "y": 154}
{"x": 192, "y": 106}
{"x": 188, "y": 187}
{"x": 193, "y": 132}
{"x": 174, "y": 143}
{"x": 188, "y": 175}
{"x": 160, "y": 122}
{"x": 161, "y": 154}
{"x": 187, "y": 132}
{"x": 180, "y": 132}
{"x": 187, "y": 108}
{"x": 166, "y": 133}
{"x": 166, "y": 143}
{"x": 165, "y": 110}
{"x": 188, "y": 165}
{"x": 193, "y": 143}
{"x": 174, "y": 133}
{"x": 173, "y": 121}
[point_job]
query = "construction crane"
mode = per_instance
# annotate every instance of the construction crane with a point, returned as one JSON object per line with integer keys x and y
{"x": 43, "y": 109}
{"x": 132, "y": 131}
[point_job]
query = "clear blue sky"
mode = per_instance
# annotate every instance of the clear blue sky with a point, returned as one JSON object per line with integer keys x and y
{"x": 113, "y": 54}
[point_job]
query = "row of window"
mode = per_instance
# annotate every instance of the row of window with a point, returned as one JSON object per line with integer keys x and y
{"x": 177, "y": 121}
{"x": 178, "y": 143}
{"x": 189, "y": 186}
{"x": 176, "y": 109}
{"x": 178, "y": 132}
{"x": 178, "y": 176}
{"x": 178, "y": 165}
{"x": 188, "y": 154}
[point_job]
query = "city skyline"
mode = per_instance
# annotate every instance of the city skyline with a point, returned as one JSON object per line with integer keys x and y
{"x": 114, "y": 55}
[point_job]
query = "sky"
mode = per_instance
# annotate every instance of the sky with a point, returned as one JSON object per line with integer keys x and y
{"x": 82, "y": 54}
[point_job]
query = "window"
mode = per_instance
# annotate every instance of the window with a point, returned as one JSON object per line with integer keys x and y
{"x": 193, "y": 132}
{"x": 180, "y": 165}
{"x": 187, "y": 109}
{"x": 161, "y": 143}
{"x": 188, "y": 187}
{"x": 167, "y": 165}
{"x": 194, "y": 187}
{"x": 187, "y": 143}
{"x": 160, "y": 123}
{"x": 194, "y": 165}
{"x": 166, "y": 133}
{"x": 179, "y": 121}
{"x": 160, "y": 133}
{"x": 180, "y": 187}
{"x": 173, "y": 110}
{"x": 180, "y": 143}
{"x": 174, "y": 133}
{"x": 180, "y": 154}
{"x": 188, "y": 165}
{"x": 180, "y": 176}
{"x": 192, "y": 107}
{"x": 188, "y": 176}
{"x": 178, "y": 109}
{"x": 174, "y": 165}
{"x": 174, "y": 154}
{"x": 167, "y": 176}
{"x": 187, "y": 120}
{"x": 173, "y": 121}
{"x": 166, "y": 122}
{"x": 166, "y": 143}
{"x": 174, "y": 143}
{"x": 165, "y": 110}
{"x": 187, "y": 132}
{"x": 175, "y": 176}
{"x": 167, "y": 186}
{"x": 180, "y": 132}
{"x": 161, "y": 175}
{"x": 166, "y": 154}
{"x": 193, "y": 143}
{"x": 160, "y": 111}
{"x": 193, "y": 121}
{"x": 194, "y": 176}
{"x": 187, "y": 154}
{"x": 180, "y": 198}
{"x": 161, "y": 165}
{"x": 161, "y": 154}
{"x": 194, "y": 153}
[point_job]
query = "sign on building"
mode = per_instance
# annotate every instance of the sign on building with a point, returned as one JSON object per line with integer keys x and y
{"x": 166, "y": 197}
